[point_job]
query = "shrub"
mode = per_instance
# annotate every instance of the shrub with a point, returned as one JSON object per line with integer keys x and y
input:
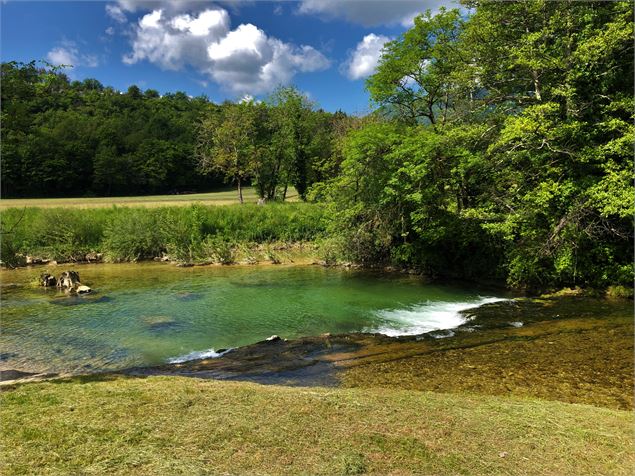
{"x": 132, "y": 234}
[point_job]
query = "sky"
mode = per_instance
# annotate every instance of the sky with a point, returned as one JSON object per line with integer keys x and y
{"x": 222, "y": 49}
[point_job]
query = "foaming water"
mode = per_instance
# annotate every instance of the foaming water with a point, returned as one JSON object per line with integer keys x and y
{"x": 427, "y": 317}
{"x": 196, "y": 355}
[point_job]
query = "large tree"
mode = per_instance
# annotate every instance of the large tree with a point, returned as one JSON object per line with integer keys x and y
{"x": 228, "y": 143}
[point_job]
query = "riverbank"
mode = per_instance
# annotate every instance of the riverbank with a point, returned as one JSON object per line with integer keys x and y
{"x": 191, "y": 234}
{"x": 175, "y": 425}
{"x": 553, "y": 349}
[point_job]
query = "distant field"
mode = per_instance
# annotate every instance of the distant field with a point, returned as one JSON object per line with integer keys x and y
{"x": 213, "y": 198}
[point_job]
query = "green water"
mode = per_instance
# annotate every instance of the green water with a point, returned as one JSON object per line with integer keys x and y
{"x": 146, "y": 314}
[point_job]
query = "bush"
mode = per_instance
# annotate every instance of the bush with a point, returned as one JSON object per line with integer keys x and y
{"x": 131, "y": 234}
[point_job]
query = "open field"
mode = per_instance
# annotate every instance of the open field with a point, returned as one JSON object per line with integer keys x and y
{"x": 176, "y": 425}
{"x": 213, "y": 198}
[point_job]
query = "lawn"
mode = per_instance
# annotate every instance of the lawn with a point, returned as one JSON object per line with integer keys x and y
{"x": 213, "y": 198}
{"x": 176, "y": 425}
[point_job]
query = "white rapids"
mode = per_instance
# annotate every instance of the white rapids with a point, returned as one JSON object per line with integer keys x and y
{"x": 426, "y": 317}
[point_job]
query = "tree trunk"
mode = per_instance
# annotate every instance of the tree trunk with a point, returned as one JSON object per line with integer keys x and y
{"x": 240, "y": 190}
{"x": 284, "y": 194}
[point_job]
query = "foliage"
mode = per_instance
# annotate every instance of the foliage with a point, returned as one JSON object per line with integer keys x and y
{"x": 506, "y": 148}
{"x": 72, "y": 138}
{"x": 277, "y": 143}
{"x": 186, "y": 234}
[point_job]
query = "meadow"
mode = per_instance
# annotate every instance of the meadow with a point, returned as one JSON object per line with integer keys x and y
{"x": 227, "y": 197}
{"x": 177, "y": 425}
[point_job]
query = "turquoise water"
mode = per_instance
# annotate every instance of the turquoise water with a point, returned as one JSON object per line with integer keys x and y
{"x": 147, "y": 314}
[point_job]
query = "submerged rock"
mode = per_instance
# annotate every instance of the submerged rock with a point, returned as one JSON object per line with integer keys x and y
{"x": 68, "y": 280}
{"x": 187, "y": 296}
{"x": 47, "y": 280}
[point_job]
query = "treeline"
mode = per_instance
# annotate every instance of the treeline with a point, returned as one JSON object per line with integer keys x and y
{"x": 505, "y": 149}
{"x": 81, "y": 138}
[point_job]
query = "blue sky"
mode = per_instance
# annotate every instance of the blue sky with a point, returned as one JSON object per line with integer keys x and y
{"x": 225, "y": 50}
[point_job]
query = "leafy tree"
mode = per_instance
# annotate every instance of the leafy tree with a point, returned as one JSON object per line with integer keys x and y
{"x": 227, "y": 143}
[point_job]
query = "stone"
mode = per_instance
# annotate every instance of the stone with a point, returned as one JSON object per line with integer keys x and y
{"x": 82, "y": 289}
{"x": 273, "y": 338}
{"x": 47, "y": 280}
{"x": 68, "y": 280}
{"x": 93, "y": 257}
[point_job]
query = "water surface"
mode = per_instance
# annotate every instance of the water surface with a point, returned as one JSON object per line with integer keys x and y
{"x": 148, "y": 314}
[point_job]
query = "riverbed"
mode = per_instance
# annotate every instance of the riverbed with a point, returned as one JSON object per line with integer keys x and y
{"x": 151, "y": 313}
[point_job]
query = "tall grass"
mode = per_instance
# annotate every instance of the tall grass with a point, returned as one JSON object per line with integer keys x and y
{"x": 130, "y": 234}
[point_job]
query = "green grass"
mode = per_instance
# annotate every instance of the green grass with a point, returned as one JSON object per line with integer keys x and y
{"x": 213, "y": 198}
{"x": 174, "y": 425}
{"x": 189, "y": 233}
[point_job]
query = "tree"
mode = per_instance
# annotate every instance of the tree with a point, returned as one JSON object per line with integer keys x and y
{"x": 414, "y": 78}
{"x": 227, "y": 143}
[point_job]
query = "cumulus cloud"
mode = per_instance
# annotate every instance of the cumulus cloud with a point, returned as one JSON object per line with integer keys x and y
{"x": 244, "y": 60}
{"x": 364, "y": 59}
{"x": 68, "y": 54}
{"x": 372, "y": 12}
{"x": 247, "y": 60}
{"x": 173, "y": 42}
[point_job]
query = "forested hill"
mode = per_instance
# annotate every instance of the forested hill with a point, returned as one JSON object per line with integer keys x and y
{"x": 79, "y": 138}
{"x": 63, "y": 138}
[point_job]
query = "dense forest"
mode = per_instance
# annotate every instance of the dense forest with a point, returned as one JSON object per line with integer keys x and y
{"x": 80, "y": 138}
{"x": 501, "y": 145}
{"x": 506, "y": 150}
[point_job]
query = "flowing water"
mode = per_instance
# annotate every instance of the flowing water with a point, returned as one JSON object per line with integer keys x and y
{"x": 149, "y": 314}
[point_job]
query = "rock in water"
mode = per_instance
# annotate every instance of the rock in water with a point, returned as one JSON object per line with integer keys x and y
{"x": 68, "y": 280}
{"x": 47, "y": 280}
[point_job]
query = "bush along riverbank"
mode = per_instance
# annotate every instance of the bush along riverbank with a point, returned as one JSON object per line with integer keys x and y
{"x": 290, "y": 233}
{"x": 195, "y": 234}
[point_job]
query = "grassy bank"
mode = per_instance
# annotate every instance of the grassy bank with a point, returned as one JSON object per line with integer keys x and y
{"x": 171, "y": 425}
{"x": 195, "y": 232}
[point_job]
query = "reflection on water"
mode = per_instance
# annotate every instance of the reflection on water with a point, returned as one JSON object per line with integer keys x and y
{"x": 147, "y": 314}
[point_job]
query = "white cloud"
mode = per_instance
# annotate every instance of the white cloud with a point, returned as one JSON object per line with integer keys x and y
{"x": 116, "y": 13}
{"x": 174, "y": 42}
{"x": 248, "y": 61}
{"x": 244, "y": 60}
{"x": 69, "y": 55}
{"x": 364, "y": 59}
{"x": 372, "y": 12}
